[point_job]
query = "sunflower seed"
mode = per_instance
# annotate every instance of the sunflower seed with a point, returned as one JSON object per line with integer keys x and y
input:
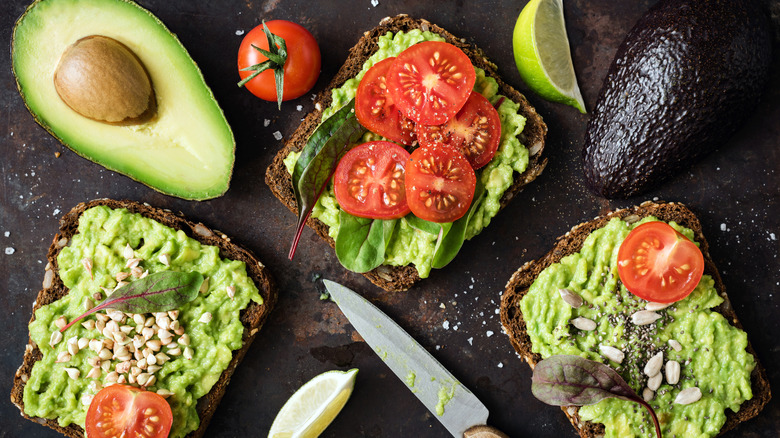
{"x": 674, "y": 344}
{"x": 653, "y": 365}
{"x": 132, "y": 263}
{"x": 105, "y": 354}
{"x": 73, "y": 373}
{"x": 121, "y": 379}
{"x": 611, "y": 353}
{"x": 571, "y": 298}
{"x": 153, "y": 368}
{"x": 123, "y": 367}
{"x": 188, "y": 353}
{"x": 113, "y": 376}
{"x": 89, "y": 324}
{"x": 165, "y": 259}
{"x": 205, "y": 318}
{"x": 231, "y": 291}
{"x": 164, "y": 393}
{"x": 656, "y": 306}
{"x": 175, "y": 351}
{"x": 655, "y": 382}
{"x": 63, "y": 357}
{"x": 94, "y": 373}
{"x": 86, "y": 399}
{"x": 128, "y": 252}
{"x": 644, "y": 317}
{"x": 95, "y": 345}
{"x": 56, "y": 338}
{"x": 143, "y": 378}
{"x": 584, "y": 323}
{"x": 688, "y": 396}
{"x": 154, "y": 344}
{"x": 648, "y": 394}
{"x": 82, "y": 343}
{"x": 137, "y": 272}
{"x": 672, "y": 372}
{"x": 173, "y": 314}
{"x": 151, "y": 360}
{"x": 61, "y": 322}
{"x": 184, "y": 339}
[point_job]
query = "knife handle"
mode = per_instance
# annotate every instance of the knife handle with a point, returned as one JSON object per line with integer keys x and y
{"x": 484, "y": 432}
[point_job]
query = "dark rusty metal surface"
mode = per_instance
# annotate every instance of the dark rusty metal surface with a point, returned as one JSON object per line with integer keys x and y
{"x": 735, "y": 192}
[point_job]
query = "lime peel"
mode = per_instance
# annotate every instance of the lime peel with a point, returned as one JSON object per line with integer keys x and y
{"x": 314, "y": 405}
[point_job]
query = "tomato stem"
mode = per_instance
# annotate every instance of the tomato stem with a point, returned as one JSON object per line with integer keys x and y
{"x": 277, "y": 57}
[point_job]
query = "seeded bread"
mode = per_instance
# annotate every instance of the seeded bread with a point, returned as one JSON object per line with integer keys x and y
{"x": 252, "y": 317}
{"x": 533, "y": 135}
{"x": 571, "y": 242}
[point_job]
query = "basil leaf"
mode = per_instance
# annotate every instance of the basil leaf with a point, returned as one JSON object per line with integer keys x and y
{"x": 567, "y": 380}
{"x": 361, "y": 242}
{"x": 450, "y": 243}
{"x": 318, "y": 160}
{"x": 158, "y": 292}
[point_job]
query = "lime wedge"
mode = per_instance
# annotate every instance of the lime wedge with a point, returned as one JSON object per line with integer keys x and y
{"x": 314, "y": 405}
{"x": 542, "y": 54}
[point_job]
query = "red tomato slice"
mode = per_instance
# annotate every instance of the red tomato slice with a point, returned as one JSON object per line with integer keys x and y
{"x": 440, "y": 183}
{"x": 475, "y": 131}
{"x": 430, "y": 81}
{"x": 656, "y": 263}
{"x": 121, "y": 410}
{"x": 375, "y": 108}
{"x": 369, "y": 181}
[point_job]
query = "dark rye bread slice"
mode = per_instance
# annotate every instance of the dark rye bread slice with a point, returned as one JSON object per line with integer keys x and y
{"x": 252, "y": 317}
{"x": 401, "y": 278}
{"x": 571, "y": 242}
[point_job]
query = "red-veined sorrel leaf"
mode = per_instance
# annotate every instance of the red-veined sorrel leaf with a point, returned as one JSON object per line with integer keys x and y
{"x": 159, "y": 292}
{"x": 567, "y": 380}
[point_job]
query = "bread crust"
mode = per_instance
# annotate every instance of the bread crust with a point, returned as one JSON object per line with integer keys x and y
{"x": 571, "y": 242}
{"x": 252, "y": 317}
{"x": 400, "y": 278}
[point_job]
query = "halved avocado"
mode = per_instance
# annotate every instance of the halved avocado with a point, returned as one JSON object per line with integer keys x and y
{"x": 185, "y": 149}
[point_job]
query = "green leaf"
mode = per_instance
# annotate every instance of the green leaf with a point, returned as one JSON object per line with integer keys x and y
{"x": 273, "y": 57}
{"x": 450, "y": 243}
{"x": 567, "y": 380}
{"x": 361, "y": 242}
{"x": 318, "y": 160}
{"x": 422, "y": 225}
{"x": 158, "y": 292}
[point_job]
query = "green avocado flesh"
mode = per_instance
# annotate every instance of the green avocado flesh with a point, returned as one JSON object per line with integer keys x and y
{"x": 407, "y": 245}
{"x": 712, "y": 358}
{"x": 186, "y": 150}
{"x": 102, "y": 237}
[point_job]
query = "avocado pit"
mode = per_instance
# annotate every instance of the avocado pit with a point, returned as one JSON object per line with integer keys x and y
{"x": 102, "y": 79}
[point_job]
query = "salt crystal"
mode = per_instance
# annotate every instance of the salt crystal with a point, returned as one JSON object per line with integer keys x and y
{"x": 278, "y": 135}
{"x": 489, "y": 333}
{"x": 299, "y": 107}
{"x": 8, "y": 233}
{"x": 266, "y": 122}
{"x": 9, "y": 250}
{"x": 771, "y": 235}
{"x": 239, "y": 32}
{"x": 723, "y": 227}
{"x": 56, "y": 212}
{"x": 471, "y": 341}
{"x": 446, "y": 325}
{"x": 501, "y": 365}
{"x": 374, "y": 3}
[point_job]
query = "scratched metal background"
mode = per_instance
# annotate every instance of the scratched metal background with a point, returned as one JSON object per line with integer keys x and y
{"x": 735, "y": 192}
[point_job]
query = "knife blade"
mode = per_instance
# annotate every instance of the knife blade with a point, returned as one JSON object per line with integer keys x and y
{"x": 460, "y": 411}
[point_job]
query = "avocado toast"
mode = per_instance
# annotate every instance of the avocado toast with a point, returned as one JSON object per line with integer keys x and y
{"x": 714, "y": 353}
{"x": 215, "y": 328}
{"x": 398, "y": 276}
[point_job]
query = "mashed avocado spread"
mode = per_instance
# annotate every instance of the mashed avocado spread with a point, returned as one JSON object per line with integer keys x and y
{"x": 102, "y": 238}
{"x": 712, "y": 354}
{"x": 407, "y": 245}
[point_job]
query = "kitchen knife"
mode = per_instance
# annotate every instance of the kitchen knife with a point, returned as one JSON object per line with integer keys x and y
{"x": 451, "y": 403}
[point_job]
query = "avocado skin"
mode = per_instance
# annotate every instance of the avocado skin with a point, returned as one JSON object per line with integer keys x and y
{"x": 683, "y": 80}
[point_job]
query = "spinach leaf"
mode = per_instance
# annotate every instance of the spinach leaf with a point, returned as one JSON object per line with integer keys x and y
{"x": 361, "y": 242}
{"x": 158, "y": 292}
{"x": 423, "y": 225}
{"x": 567, "y": 380}
{"x": 318, "y": 160}
{"x": 450, "y": 243}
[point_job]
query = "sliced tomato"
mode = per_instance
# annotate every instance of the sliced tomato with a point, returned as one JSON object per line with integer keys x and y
{"x": 369, "y": 181}
{"x": 475, "y": 131}
{"x": 430, "y": 81}
{"x": 440, "y": 183}
{"x": 658, "y": 264}
{"x": 124, "y": 411}
{"x": 375, "y": 109}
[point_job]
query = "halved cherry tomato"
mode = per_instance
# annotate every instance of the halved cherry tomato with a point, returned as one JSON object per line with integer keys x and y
{"x": 121, "y": 410}
{"x": 375, "y": 108}
{"x": 369, "y": 181}
{"x": 656, "y": 263}
{"x": 430, "y": 81}
{"x": 440, "y": 183}
{"x": 301, "y": 69}
{"x": 475, "y": 131}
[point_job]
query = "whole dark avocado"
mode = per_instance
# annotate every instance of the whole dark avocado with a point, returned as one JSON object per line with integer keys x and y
{"x": 683, "y": 80}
